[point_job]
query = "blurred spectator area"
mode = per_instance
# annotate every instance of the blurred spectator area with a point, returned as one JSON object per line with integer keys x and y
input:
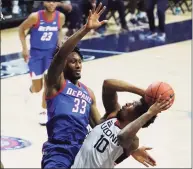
{"x": 15, "y": 12}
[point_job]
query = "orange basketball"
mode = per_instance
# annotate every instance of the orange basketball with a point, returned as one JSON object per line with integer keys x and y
{"x": 156, "y": 89}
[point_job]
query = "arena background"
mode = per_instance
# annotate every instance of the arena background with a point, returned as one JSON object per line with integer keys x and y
{"x": 123, "y": 55}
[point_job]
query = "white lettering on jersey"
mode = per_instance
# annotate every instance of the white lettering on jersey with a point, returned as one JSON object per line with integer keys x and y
{"x": 100, "y": 148}
{"x": 107, "y": 131}
{"x": 79, "y": 94}
{"x": 47, "y": 28}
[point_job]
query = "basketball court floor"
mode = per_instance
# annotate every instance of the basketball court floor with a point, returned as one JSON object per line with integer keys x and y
{"x": 169, "y": 136}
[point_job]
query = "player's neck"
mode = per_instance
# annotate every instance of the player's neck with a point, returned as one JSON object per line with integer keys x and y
{"x": 123, "y": 123}
{"x": 48, "y": 15}
{"x": 75, "y": 82}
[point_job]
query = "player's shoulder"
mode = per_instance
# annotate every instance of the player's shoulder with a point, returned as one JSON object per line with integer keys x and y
{"x": 33, "y": 16}
{"x": 90, "y": 91}
{"x": 61, "y": 15}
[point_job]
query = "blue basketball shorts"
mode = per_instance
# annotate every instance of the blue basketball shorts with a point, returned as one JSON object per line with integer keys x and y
{"x": 59, "y": 155}
{"x": 39, "y": 62}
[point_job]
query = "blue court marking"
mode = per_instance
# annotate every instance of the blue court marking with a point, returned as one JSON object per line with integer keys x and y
{"x": 102, "y": 51}
{"x": 136, "y": 40}
{"x": 105, "y": 46}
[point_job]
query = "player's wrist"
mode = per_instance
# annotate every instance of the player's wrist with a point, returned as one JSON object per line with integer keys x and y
{"x": 150, "y": 113}
{"x": 86, "y": 29}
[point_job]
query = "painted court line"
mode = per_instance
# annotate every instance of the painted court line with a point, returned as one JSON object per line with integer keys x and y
{"x": 102, "y": 51}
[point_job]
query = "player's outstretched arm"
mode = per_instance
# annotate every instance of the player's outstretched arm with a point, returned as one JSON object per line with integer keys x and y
{"x": 110, "y": 97}
{"x": 58, "y": 62}
{"x": 126, "y": 135}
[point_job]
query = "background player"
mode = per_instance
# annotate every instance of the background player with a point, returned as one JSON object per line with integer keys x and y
{"x": 109, "y": 140}
{"x": 70, "y": 104}
{"x": 45, "y": 29}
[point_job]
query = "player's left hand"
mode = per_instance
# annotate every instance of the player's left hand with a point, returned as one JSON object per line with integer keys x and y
{"x": 93, "y": 18}
{"x": 143, "y": 157}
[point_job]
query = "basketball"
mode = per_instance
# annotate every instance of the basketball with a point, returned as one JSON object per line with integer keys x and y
{"x": 156, "y": 89}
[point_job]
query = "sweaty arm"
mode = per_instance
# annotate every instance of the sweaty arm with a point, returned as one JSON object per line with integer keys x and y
{"x": 110, "y": 97}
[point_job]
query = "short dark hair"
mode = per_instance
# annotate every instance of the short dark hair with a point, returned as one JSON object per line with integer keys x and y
{"x": 76, "y": 49}
{"x": 143, "y": 108}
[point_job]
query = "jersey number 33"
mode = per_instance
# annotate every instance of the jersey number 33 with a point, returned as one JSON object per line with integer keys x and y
{"x": 79, "y": 106}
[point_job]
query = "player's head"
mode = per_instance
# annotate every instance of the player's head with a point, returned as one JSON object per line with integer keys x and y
{"x": 131, "y": 111}
{"x": 50, "y": 6}
{"x": 73, "y": 66}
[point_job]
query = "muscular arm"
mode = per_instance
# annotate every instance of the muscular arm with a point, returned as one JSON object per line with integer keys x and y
{"x": 127, "y": 152}
{"x": 56, "y": 68}
{"x": 27, "y": 24}
{"x": 128, "y": 133}
{"x": 54, "y": 72}
{"x": 110, "y": 97}
{"x": 94, "y": 114}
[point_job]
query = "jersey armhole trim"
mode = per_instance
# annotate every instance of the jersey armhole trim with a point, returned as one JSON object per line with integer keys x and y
{"x": 86, "y": 89}
{"x": 117, "y": 124}
{"x": 58, "y": 92}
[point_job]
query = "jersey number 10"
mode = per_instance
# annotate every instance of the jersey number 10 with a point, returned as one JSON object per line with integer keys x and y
{"x": 101, "y": 144}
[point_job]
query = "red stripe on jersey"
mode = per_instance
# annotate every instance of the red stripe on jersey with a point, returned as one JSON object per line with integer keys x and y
{"x": 57, "y": 93}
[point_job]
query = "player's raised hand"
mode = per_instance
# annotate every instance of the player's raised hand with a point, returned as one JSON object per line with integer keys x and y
{"x": 160, "y": 105}
{"x": 142, "y": 156}
{"x": 94, "y": 15}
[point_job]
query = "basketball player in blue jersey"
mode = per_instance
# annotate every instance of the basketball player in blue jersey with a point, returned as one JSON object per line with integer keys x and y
{"x": 70, "y": 104}
{"x": 45, "y": 29}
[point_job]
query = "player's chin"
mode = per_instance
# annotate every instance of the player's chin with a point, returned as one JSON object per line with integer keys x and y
{"x": 77, "y": 76}
{"x": 51, "y": 10}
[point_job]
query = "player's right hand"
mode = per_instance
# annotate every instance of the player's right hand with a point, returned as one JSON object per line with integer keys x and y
{"x": 93, "y": 18}
{"x": 25, "y": 55}
{"x": 160, "y": 105}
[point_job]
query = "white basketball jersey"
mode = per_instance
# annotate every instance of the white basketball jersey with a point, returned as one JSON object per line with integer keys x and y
{"x": 100, "y": 149}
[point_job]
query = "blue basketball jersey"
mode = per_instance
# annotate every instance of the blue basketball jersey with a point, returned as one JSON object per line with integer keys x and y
{"x": 68, "y": 113}
{"x": 44, "y": 35}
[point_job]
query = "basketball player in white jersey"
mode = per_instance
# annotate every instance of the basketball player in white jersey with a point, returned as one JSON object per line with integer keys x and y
{"x": 115, "y": 137}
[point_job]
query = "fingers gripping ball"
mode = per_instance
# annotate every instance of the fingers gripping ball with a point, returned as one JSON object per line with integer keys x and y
{"x": 159, "y": 88}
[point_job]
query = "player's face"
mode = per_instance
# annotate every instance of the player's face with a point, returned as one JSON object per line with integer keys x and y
{"x": 129, "y": 110}
{"x": 50, "y": 6}
{"x": 73, "y": 66}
